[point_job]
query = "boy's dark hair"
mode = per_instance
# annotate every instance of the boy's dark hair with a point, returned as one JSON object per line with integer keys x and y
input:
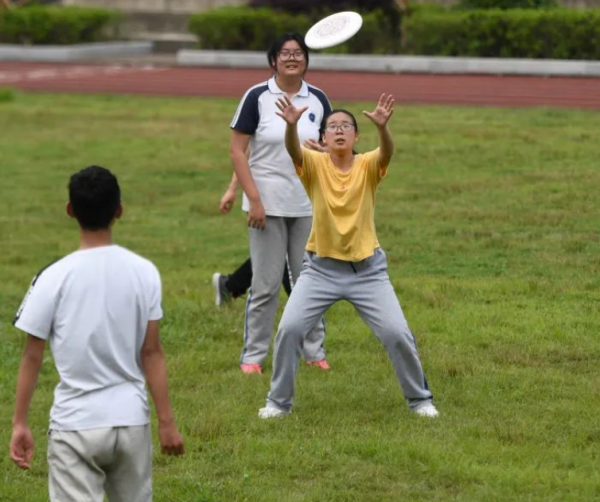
{"x": 95, "y": 196}
{"x": 280, "y": 42}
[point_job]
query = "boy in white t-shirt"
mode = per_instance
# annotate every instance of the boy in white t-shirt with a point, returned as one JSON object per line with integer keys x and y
{"x": 99, "y": 308}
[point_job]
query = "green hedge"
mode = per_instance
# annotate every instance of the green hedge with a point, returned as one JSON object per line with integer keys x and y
{"x": 506, "y": 4}
{"x": 6, "y": 95}
{"x": 54, "y": 25}
{"x": 427, "y": 30}
{"x": 245, "y": 28}
{"x": 519, "y": 33}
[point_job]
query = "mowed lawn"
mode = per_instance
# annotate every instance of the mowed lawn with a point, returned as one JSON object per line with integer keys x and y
{"x": 490, "y": 219}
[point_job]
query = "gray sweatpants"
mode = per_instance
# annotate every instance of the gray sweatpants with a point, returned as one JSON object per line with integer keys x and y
{"x": 281, "y": 238}
{"x": 83, "y": 465}
{"x": 367, "y": 286}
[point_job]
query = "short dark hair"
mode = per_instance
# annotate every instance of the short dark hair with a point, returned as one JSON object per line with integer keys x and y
{"x": 338, "y": 110}
{"x": 332, "y": 112}
{"x": 280, "y": 42}
{"x": 95, "y": 197}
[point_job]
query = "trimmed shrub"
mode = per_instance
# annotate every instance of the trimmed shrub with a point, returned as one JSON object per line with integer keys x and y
{"x": 381, "y": 20}
{"x": 543, "y": 34}
{"x": 319, "y": 6}
{"x": 427, "y": 30}
{"x": 6, "y": 94}
{"x": 376, "y": 36}
{"x": 506, "y": 4}
{"x": 426, "y": 8}
{"x": 54, "y": 25}
{"x": 246, "y": 28}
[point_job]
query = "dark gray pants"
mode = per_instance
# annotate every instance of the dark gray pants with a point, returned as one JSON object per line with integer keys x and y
{"x": 367, "y": 286}
{"x": 282, "y": 238}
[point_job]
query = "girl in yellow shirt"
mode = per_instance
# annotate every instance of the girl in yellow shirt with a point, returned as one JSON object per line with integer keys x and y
{"x": 343, "y": 258}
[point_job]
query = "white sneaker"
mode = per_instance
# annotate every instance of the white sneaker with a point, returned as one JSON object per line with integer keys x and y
{"x": 270, "y": 412}
{"x": 222, "y": 295}
{"x": 427, "y": 411}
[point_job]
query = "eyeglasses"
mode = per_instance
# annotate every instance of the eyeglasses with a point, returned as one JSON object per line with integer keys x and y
{"x": 286, "y": 55}
{"x": 344, "y": 127}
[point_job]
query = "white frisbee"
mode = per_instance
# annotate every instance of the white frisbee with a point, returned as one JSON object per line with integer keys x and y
{"x": 333, "y": 30}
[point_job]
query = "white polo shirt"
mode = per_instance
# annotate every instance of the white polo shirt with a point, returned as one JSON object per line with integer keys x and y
{"x": 94, "y": 306}
{"x": 280, "y": 189}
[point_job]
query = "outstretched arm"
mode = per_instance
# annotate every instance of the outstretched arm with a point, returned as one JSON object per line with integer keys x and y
{"x": 155, "y": 368}
{"x": 21, "y": 443}
{"x": 291, "y": 115}
{"x": 292, "y": 144}
{"x": 380, "y": 117}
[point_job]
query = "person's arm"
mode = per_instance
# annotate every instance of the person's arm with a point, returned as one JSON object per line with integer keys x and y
{"x": 21, "y": 443}
{"x": 228, "y": 199}
{"x": 380, "y": 117}
{"x": 386, "y": 146}
{"x": 292, "y": 144}
{"x": 291, "y": 115}
{"x": 155, "y": 368}
{"x": 237, "y": 152}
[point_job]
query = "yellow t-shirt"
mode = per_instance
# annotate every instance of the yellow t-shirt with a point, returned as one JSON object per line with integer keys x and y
{"x": 343, "y": 204}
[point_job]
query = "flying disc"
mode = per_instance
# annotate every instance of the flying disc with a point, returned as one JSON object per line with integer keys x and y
{"x": 333, "y": 30}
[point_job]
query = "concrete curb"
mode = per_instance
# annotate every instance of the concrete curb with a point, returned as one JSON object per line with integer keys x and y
{"x": 401, "y": 64}
{"x": 68, "y": 53}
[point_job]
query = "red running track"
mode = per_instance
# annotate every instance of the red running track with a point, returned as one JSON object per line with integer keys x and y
{"x": 471, "y": 90}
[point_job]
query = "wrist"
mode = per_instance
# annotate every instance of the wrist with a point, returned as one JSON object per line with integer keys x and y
{"x": 19, "y": 423}
{"x": 165, "y": 417}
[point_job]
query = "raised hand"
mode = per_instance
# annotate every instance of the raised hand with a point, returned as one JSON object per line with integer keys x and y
{"x": 289, "y": 112}
{"x": 383, "y": 111}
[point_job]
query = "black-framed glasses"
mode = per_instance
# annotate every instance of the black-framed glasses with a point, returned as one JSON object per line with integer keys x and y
{"x": 344, "y": 127}
{"x": 286, "y": 55}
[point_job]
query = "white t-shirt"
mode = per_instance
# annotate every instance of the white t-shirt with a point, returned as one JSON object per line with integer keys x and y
{"x": 94, "y": 306}
{"x": 280, "y": 189}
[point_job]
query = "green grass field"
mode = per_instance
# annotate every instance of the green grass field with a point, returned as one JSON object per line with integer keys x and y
{"x": 490, "y": 219}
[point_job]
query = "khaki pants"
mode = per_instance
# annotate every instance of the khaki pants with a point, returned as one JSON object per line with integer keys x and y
{"x": 84, "y": 465}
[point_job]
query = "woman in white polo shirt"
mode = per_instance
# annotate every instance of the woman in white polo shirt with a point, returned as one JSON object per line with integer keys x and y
{"x": 279, "y": 212}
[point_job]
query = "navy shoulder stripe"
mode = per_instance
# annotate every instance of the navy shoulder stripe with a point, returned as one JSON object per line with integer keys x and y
{"x": 246, "y": 117}
{"x": 259, "y": 89}
{"x": 322, "y": 97}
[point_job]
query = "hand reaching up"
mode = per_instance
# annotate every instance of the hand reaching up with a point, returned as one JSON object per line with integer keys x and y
{"x": 383, "y": 111}
{"x": 289, "y": 112}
